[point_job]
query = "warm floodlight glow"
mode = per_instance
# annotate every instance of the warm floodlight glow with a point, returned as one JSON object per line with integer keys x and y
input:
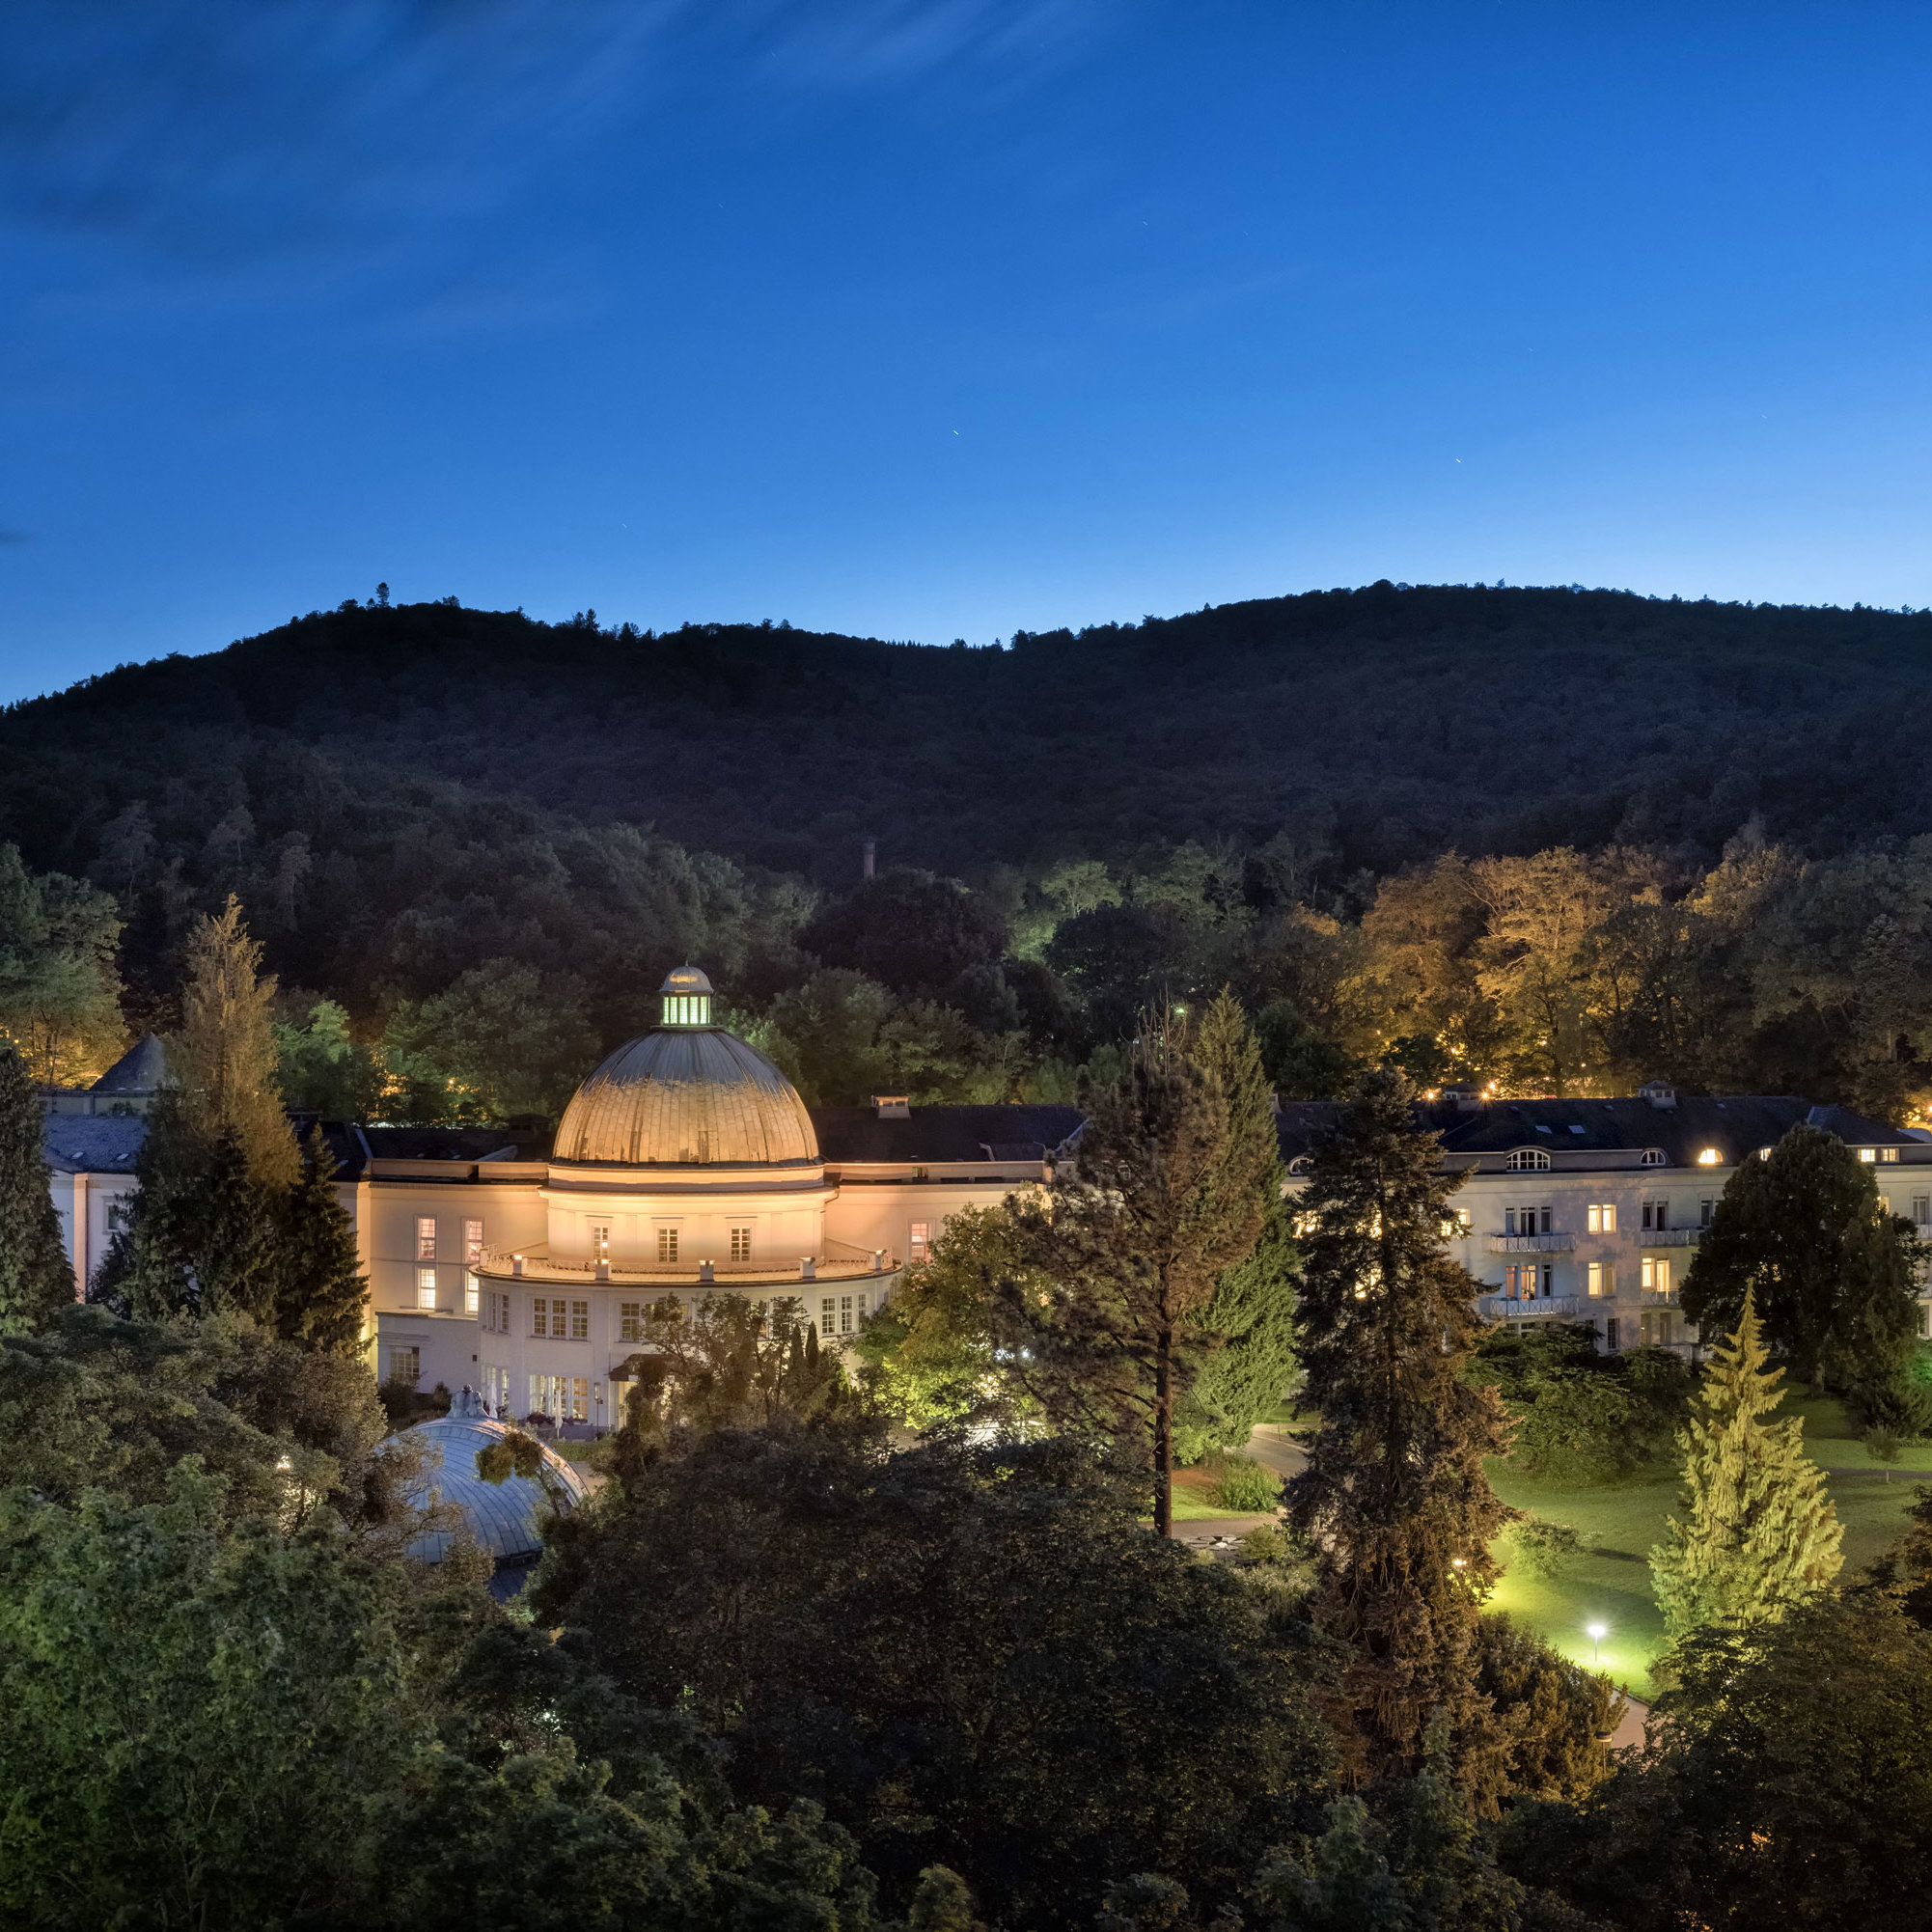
{"x": 1711, "y": 1157}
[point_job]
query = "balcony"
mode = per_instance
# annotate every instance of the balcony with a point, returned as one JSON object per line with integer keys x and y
{"x": 841, "y": 1262}
{"x": 1672, "y": 1237}
{"x": 1532, "y": 1244}
{"x": 1548, "y": 1308}
{"x": 1659, "y": 1298}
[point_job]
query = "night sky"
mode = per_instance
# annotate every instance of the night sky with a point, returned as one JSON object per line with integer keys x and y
{"x": 927, "y": 318}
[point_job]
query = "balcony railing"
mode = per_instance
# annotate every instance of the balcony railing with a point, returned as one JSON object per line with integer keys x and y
{"x": 1672, "y": 1237}
{"x": 1532, "y": 1244}
{"x": 1660, "y": 1298}
{"x": 534, "y": 1264}
{"x": 1549, "y": 1308}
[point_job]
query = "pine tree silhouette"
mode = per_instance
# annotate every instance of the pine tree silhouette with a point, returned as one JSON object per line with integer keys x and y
{"x": 1759, "y": 1534}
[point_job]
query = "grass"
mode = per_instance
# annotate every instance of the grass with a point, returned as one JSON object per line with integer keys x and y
{"x": 1610, "y": 1585}
{"x": 1832, "y": 1438}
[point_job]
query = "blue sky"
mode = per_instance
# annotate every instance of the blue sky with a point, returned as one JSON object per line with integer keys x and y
{"x": 938, "y": 317}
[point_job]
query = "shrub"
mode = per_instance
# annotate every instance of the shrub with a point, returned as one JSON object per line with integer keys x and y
{"x": 1240, "y": 1482}
{"x": 1265, "y": 1545}
{"x": 1546, "y": 1549}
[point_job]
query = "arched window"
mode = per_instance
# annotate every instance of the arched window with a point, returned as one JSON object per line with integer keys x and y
{"x": 1526, "y": 1160}
{"x": 1299, "y": 1166}
{"x": 1653, "y": 1157}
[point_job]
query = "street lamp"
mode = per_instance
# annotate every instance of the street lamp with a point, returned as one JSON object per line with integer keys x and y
{"x": 1596, "y": 1633}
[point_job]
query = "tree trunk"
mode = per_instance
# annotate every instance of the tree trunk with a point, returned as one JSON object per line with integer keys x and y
{"x": 1164, "y": 1430}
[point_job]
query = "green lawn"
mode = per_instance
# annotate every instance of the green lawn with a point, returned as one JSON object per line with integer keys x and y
{"x": 1610, "y": 1585}
{"x": 1832, "y": 1442}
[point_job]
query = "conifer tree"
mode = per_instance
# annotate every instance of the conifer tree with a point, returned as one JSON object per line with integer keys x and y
{"x": 223, "y": 1058}
{"x": 1394, "y": 1500}
{"x": 1759, "y": 1534}
{"x": 36, "y": 1277}
{"x": 321, "y": 1298}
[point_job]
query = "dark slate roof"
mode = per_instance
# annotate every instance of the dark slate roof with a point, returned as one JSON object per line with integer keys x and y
{"x": 141, "y": 1069}
{"x": 354, "y": 1147}
{"x": 1737, "y": 1124}
{"x": 931, "y": 1135}
{"x": 93, "y": 1143}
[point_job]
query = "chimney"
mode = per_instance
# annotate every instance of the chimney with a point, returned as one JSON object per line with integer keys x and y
{"x": 1660, "y": 1094}
{"x": 893, "y": 1106}
{"x": 870, "y": 860}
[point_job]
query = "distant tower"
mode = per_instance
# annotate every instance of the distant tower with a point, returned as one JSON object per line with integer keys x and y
{"x": 871, "y": 857}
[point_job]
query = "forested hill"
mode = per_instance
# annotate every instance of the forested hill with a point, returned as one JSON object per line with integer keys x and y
{"x": 1390, "y": 722}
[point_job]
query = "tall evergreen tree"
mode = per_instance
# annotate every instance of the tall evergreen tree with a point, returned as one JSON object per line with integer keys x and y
{"x": 1168, "y": 1195}
{"x": 321, "y": 1298}
{"x": 223, "y": 1058}
{"x": 1759, "y": 1534}
{"x": 1805, "y": 1234}
{"x": 36, "y": 1277}
{"x": 1394, "y": 1499}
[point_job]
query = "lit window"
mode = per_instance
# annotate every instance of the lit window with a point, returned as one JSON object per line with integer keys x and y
{"x": 469, "y": 1292}
{"x": 667, "y": 1244}
{"x": 1888, "y": 1153}
{"x": 1867, "y": 1153}
{"x": 601, "y": 1241}
{"x": 579, "y": 1320}
{"x": 426, "y": 1238}
{"x": 1657, "y": 1274}
{"x": 1602, "y": 1278}
{"x": 425, "y": 1287}
{"x": 920, "y": 1244}
{"x": 1603, "y": 1218}
{"x": 741, "y": 1244}
{"x": 406, "y": 1366}
{"x": 1711, "y": 1157}
{"x": 630, "y": 1321}
{"x": 1526, "y": 1160}
{"x": 472, "y": 1244}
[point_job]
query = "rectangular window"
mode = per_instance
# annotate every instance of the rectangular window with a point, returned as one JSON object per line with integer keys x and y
{"x": 667, "y": 1244}
{"x": 1704, "y": 1212}
{"x": 1656, "y": 1274}
{"x": 539, "y": 1317}
{"x": 472, "y": 1244}
{"x": 741, "y": 1244}
{"x": 844, "y": 1314}
{"x": 579, "y": 1320}
{"x": 1921, "y": 1210}
{"x": 406, "y": 1366}
{"x": 920, "y": 1244}
{"x": 828, "y": 1310}
{"x": 1602, "y": 1278}
{"x": 1657, "y": 1214}
{"x": 1603, "y": 1217}
{"x": 630, "y": 1321}
{"x": 426, "y": 1237}
{"x": 469, "y": 1292}
{"x": 425, "y": 1287}
{"x": 1609, "y": 1332}
{"x": 601, "y": 1241}
{"x": 496, "y": 1388}
{"x": 1888, "y": 1153}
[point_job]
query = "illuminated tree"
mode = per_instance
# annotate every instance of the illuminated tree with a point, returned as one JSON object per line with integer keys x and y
{"x": 36, "y": 1277}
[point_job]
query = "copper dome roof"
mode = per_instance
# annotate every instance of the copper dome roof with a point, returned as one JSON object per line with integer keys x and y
{"x": 686, "y": 1096}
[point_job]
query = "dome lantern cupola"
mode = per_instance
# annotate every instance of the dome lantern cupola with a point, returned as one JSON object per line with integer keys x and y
{"x": 687, "y": 998}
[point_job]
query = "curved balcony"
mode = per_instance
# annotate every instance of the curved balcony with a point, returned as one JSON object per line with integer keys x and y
{"x": 535, "y": 1263}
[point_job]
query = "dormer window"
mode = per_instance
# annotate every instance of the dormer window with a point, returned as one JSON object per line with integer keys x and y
{"x": 1654, "y": 1157}
{"x": 1526, "y": 1160}
{"x": 1711, "y": 1157}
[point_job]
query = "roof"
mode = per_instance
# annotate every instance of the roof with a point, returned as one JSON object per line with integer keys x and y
{"x": 685, "y": 980}
{"x": 926, "y": 1135}
{"x": 687, "y": 1096}
{"x": 93, "y": 1142}
{"x": 141, "y": 1069}
{"x": 507, "y": 1518}
{"x": 1736, "y": 1124}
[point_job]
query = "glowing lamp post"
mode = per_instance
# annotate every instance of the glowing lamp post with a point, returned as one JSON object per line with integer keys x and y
{"x": 1596, "y": 1633}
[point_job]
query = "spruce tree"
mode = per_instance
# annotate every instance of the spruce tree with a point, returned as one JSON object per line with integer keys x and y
{"x": 35, "y": 1276}
{"x": 1393, "y": 1500}
{"x": 1759, "y": 1534}
{"x": 321, "y": 1298}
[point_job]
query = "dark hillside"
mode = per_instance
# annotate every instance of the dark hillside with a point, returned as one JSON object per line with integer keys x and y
{"x": 1393, "y": 722}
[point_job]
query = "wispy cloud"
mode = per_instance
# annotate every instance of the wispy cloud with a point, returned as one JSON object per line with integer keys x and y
{"x": 213, "y": 131}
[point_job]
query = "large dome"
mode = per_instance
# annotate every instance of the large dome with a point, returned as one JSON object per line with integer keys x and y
{"x": 686, "y": 1096}
{"x": 507, "y": 1517}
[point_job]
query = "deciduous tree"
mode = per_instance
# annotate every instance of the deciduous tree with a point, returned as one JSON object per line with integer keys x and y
{"x": 35, "y": 1276}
